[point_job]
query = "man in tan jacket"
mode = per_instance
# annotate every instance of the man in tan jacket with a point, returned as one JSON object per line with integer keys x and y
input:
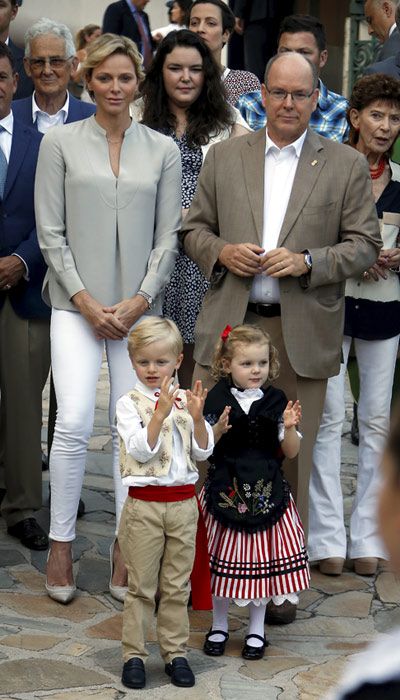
{"x": 281, "y": 218}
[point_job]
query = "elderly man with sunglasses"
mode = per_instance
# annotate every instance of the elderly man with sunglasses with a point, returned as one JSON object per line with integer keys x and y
{"x": 49, "y": 60}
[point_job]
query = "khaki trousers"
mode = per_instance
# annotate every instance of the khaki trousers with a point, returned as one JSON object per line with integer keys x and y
{"x": 157, "y": 541}
{"x": 310, "y": 393}
{"x": 24, "y": 366}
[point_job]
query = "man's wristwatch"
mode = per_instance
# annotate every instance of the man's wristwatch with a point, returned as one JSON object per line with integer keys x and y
{"x": 307, "y": 260}
{"x": 146, "y": 296}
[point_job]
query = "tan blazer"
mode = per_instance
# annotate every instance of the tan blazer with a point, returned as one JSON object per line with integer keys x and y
{"x": 111, "y": 236}
{"x": 331, "y": 212}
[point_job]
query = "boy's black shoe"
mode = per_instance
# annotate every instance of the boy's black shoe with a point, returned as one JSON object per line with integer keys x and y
{"x": 180, "y": 672}
{"x": 133, "y": 673}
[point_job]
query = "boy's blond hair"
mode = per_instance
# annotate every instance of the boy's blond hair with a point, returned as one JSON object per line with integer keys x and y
{"x": 154, "y": 329}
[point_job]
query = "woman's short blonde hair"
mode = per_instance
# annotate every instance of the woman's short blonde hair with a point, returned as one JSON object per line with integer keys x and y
{"x": 107, "y": 45}
{"x": 245, "y": 334}
{"x": 155, "y": 329}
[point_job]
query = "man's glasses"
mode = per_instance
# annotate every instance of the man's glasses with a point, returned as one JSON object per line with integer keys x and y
{"x": 55, "y": 62}
{"x": 280, "y": 95}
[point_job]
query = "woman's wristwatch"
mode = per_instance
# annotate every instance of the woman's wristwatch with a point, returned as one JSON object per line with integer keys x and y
{"x": 147, "y": 297}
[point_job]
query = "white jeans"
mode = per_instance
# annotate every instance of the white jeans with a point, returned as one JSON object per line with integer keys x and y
{"x": 76, "y": 358}
{"x": 376, "y": 361}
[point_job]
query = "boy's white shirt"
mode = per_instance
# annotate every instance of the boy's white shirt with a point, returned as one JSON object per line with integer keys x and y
{"x": 134, "y": 436}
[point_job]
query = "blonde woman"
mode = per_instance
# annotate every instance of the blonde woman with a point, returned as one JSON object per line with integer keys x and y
{"x": 107, "y": 227}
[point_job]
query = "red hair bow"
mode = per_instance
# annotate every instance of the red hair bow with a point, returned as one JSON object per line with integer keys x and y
{"x": 225, "y": 333}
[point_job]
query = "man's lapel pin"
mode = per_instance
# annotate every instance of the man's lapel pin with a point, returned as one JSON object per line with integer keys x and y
{"x": 314, "y": 162}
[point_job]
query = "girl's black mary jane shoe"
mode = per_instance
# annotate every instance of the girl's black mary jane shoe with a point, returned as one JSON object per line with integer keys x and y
{"x": 215, "y": 648}
{"x": 254, "y": 653}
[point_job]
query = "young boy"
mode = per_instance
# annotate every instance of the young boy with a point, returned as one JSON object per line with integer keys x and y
{"x": 162, "y": 433}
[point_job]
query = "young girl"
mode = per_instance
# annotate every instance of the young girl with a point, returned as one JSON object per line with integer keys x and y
{"x": 255, "y": 537}
{"x": 162, "y": 433}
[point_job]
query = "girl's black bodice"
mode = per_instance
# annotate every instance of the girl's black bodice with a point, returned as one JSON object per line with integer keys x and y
{"x": 245, "y": 487}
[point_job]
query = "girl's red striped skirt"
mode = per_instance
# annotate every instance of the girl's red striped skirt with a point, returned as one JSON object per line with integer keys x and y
{"x": 258, "y": 565}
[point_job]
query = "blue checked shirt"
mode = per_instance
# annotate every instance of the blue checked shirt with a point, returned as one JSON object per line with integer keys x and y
{"x": 328, "y": 119}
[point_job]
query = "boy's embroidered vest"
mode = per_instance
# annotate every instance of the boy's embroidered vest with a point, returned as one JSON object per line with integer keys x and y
{"x": 160, "y": 463}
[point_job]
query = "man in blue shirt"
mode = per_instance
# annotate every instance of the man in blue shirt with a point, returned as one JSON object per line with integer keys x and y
{"x": 306, "y": 35}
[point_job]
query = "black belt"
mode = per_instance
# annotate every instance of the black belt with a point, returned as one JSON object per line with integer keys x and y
{"x": 266, "y": 310}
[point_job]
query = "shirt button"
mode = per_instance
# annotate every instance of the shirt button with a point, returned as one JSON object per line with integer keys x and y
{"x": 356, "y": 307}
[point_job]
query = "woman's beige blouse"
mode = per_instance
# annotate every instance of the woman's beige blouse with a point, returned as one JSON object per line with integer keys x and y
{"x": 111, "y": 236}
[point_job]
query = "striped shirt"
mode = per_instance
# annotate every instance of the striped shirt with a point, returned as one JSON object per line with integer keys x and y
{"x": 328, "y": 119}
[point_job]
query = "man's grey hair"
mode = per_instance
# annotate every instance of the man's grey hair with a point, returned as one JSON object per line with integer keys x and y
{"x": 46, "y": 26}
{"x": 315, "y": 79}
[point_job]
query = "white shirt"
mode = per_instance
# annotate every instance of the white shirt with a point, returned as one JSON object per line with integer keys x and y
{"x": 47, "y": 121}
{"x": 167, "y": 29}
{"x": 280, "y": 169}
{"x": 6, "y": 133}
{"x": 135, "y": 439}
{"x": 391, "y": 30}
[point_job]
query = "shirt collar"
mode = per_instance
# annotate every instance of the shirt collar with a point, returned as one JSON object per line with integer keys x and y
{"x": 36, "y": 110}
{"x": 247, "y": 393}
{"x": 323, "y": 97}
{"x": 131, "y": 6}
{"x": 392, "y": 29}
{"x": 146, "y": 391}
{"x": 7, "y": 123}
{"x": 297, "y": 145}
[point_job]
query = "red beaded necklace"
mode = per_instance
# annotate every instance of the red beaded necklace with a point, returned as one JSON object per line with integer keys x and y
{"x": 377, "y": 172}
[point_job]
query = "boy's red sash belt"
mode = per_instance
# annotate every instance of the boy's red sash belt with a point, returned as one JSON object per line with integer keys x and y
{"x": 200, "y": 577}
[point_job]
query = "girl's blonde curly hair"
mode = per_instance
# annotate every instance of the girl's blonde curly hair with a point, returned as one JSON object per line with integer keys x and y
{"x": 245, "y": 334}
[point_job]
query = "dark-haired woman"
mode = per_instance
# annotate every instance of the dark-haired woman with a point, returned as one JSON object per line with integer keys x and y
{"x": 372, "y": 323}
{"x": 183, "y": 97}
{"x": 215, "y": 22}
{"x": 178, "y": 14}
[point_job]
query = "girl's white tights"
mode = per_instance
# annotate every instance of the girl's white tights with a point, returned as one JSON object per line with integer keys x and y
{"x": 256, "y": 623}
{"x": 220, "y": 620}
{"x": 220, "y": 617}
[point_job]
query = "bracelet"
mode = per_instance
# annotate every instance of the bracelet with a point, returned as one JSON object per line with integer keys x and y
{"x": 146, "y": 297}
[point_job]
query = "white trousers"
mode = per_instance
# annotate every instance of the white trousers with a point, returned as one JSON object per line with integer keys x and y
{"x": 376, "y": 361}
{"x": 76, "y": 357}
